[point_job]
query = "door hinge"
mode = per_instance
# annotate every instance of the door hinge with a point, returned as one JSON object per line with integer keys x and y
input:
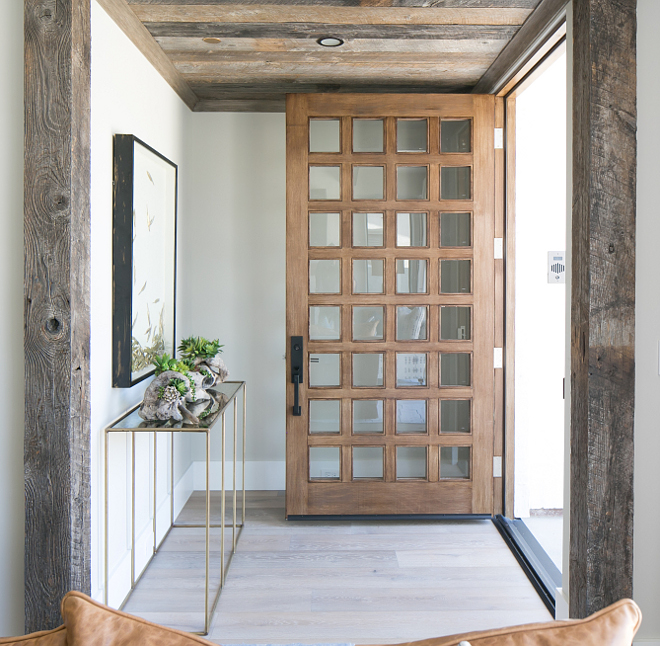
{"x": 499, "y": 138}
{"x": 497, "y": 466}
{"x": 498, "y": 248}
{"x": 498, "y": 358}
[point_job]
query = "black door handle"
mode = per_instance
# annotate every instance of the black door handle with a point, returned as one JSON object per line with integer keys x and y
{"x": 296, "y": 372}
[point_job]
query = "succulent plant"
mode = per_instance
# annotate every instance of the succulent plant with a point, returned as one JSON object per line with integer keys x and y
{"x": 164, "y": 363}
{"x": 175, "y": 389}
{"x": 199, "y": 347}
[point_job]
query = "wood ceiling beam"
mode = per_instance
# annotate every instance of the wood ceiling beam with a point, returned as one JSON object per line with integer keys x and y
{"x": 535, "y": 31}
{"x": 444, "y": 4}
{"x": 329, "y": 15}
{"x": 467, "y": 59}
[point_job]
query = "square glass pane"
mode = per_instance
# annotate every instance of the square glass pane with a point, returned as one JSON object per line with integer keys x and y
{"x": 324, "y": 136}
{"x": 412, "y": 182}
{"x": 410, "y": 369}
{"x": 325, "y": 276}
{"x": 411, "y": 276}
{"x": 368, "y": 370}
{"x": 410, "y": 462}
{"x": 411, "y": 229}
{"x": 368, "y": 182}
{"x": 455, "y": 276}
{"x": 455, "y": 230}
{"x": 368, "y": 323}
{"x": 368, "y": 276}
{"x": 368, "y": 416}
{"x": 411, "y": 136}
{"x": 324, "y": 229}
{"x": 324, "y": 322}
{"x": 367, "y": 229}
{"x": 324, "y": 415}
{"x": 367, "y": 135}
{"x": 324, "y": 462}
{"x": 411, "y": 323}
{"x": 456, "y": 136}
{"x": 411, "y": 416}
{"x": 455, "y": 183}
{"x": 367, "y": 462}
{"x": 324, "y": 370}
{"x": 455, "y": 323}
{"x": 455, "y": 416}
{"x": 324, "y": 182}
{"x": 455, "y": 369}
{"x": 455, "y": 462}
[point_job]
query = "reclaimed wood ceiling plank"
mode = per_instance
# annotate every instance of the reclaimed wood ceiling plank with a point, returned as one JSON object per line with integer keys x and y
{"x": 345, "y": 32}
{"x": 329, "y": 15}
{"x": 443, "y": 4}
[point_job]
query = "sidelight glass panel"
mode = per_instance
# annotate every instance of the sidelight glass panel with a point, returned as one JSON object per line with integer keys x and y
{"x": 368, "y": 276}
{"x": 411, "y": 229}
{"x": 324, "y": 229}
{"x": 324, "y": 322}
{"x": 367, "y": 462}
{"x": 367, "y": 229}
{"x": 455, "y": 416}
{"x": 324, "y": 370}
{"x": 368, "y": 182}
{"x": 368, "y": 416}
{"x": 455, "y": 276}
{"x": 411, "y": 323}
{"x": 410, "y": 276}
{"x": 368, "y": 370}
{"x": 455, "y": 369}
{"x": 324, "y": 276}
{"x": 410, "y": 369}
{"x": 324, "y": 462}
{"x": 455, "y": 462}
{"x": 412, "y": 182}
{"x": 324, "y": 182}
{"x": 411, "y": 136}
{"x": 456, "y": 136}
{"x": 455, "y": 323}
{"x": 411, "y": 416}
{"x": 324, "y": 416}
{"x": 367, "y": 135}
{"x": 455, "y": 183}
{"x": 368, "y": 323}
{"x": 410, "y": 462}
{"x": 324, "y": 136}
{"x": 455, "y": 230}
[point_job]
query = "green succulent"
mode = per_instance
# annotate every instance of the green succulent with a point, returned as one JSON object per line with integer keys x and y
{"x": 198, "y": 346}
{"x": 177, "y": 384}
{"x": 164, "y": 363}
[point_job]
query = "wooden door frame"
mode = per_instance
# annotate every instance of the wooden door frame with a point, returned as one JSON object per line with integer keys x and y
{"x": 57, "y": 222}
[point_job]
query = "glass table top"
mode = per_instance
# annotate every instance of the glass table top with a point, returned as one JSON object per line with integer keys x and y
{"x": 223, "y": 394}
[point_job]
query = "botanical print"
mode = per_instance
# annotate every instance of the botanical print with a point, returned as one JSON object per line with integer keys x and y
{"x": 154, "y": 195}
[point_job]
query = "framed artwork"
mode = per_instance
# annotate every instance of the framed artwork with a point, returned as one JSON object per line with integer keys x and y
{"x": 144, "y": 259}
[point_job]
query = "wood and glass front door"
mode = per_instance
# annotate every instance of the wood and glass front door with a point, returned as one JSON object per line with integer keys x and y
{"x": 390, "y": 296}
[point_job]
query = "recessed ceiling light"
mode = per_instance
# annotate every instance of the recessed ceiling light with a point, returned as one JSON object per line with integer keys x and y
{"x": 330, "y": 41}
{"x": 211, "y": 40}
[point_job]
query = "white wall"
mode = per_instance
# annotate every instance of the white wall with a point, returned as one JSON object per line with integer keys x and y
{"x": 232, "y": 253}
{"x": 128, "y": 96}
{"x": 540, "y": 307}
{"x": 11, "y": 321}
{"x": 646, "y": 586}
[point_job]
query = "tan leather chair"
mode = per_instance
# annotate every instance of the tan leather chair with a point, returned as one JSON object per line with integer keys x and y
{"x": 88, "y": 623}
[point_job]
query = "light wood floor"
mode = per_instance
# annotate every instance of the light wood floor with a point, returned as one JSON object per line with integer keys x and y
{"x": 366, "y": 582}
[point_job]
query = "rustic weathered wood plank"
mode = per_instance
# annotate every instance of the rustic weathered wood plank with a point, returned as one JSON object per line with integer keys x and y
{"x": 448, "y": 4}
{"x": 329, "y": 15}
{"x": 603, "y": 303}
{"x": 140, "y": 37}
{"x": 57, "y": 318}
{"x": 345, "y": 32}
{"x": 537, "y": 28}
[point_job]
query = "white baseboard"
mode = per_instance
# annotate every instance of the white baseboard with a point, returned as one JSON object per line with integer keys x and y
{"x": 561, "y": 604}
{"x": 646, "y": 642}
{"x": 259, "y": 475}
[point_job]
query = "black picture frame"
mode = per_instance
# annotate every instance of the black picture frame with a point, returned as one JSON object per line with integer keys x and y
{"x": 145, "y": 195}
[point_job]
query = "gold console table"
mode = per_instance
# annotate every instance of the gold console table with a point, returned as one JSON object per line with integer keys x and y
{"x": 130, "y": 422}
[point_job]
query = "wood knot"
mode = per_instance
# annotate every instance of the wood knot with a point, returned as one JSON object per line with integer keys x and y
{"x": 53, "y": 326}
{"x": 61, "y": 202}
{"x": 610, "y": 249}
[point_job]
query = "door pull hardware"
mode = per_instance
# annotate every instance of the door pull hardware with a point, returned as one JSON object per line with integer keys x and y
{"x": 296, "y": 372}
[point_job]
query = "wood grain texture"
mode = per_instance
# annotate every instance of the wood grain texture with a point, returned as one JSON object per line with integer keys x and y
{"x": 57, "y": 225}
{"x": 536, "y": 30}
{"x": 441, "y": 4}
{"x": 603, "y": 304}
{"x": 329, "y": 15}
{"x": 128, "y": 22}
